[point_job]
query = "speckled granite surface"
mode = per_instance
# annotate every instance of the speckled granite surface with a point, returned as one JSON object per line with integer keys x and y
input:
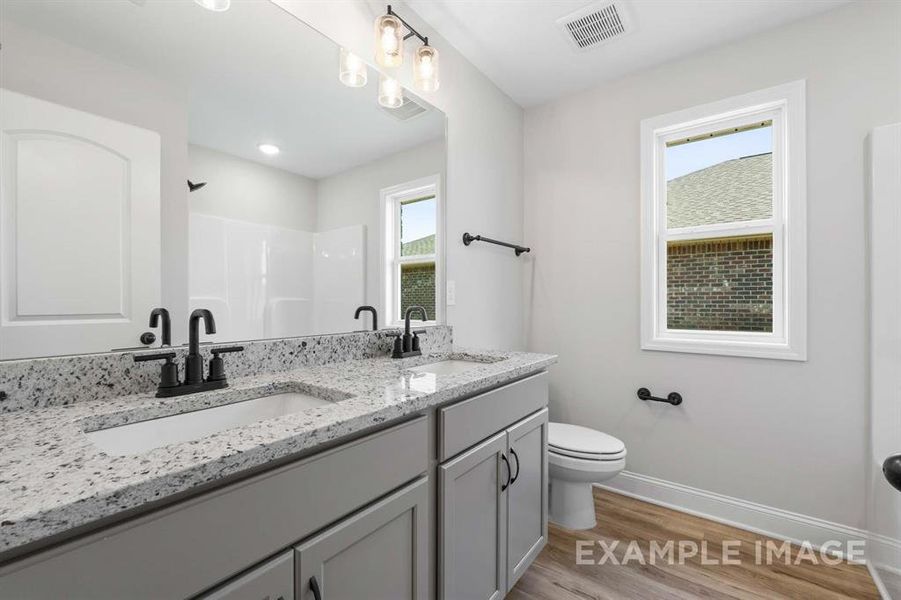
{"x": 53, "y": 478}
{"x": 65, "y": 380}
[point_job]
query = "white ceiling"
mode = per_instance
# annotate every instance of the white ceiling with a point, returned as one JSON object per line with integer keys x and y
{"x": 251, "y": 74}
{"x": 519, "y": 46}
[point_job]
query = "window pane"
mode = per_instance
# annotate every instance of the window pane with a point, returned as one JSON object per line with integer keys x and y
{"x": 417, "y": 288}
{"x": 720, "y": 285}
{"x": 417, "y": 227}
{"x": 723, "y": 177}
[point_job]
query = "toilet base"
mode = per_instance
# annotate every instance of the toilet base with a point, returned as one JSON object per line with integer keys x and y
{"x": 571, "y": 504}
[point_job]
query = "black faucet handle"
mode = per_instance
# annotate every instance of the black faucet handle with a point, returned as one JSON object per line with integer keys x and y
{"x": 168, "y": 373}
{"x": 226, "y": 350}
{"x": 167, "y": 356}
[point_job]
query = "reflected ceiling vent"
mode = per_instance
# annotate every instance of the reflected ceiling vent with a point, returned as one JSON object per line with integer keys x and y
{"x": 406, "y": 111}
{"x": 596, "y": 24}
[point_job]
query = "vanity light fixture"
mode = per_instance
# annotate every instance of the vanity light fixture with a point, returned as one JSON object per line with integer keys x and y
{"x": 351, "y": 69}
{"x": 391, "y": 92}
{"x": 215, "y": 5}
{"x": 390, "y": 32}
{"x": 269, "y": 149}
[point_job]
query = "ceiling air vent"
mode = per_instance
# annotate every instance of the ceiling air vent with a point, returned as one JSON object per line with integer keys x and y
{"x": 596, "y": 24}
{"x": 406, "y": 111}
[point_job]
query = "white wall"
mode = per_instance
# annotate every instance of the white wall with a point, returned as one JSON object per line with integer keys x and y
{"x": 786, "y": 434}
{"x": 352, "y": 198}
{"x": 248, "y": 191}
{"x": 484, "y": 173}
{"x": 52, "y": 70}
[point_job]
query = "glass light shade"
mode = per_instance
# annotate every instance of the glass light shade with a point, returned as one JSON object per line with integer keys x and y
{"x": 352, "y": 70}
{"x": 215, "y": 5}
{"x": 389, "y": 41}
{"x": 391, "y": 94}
{"x": 425, "y": 69}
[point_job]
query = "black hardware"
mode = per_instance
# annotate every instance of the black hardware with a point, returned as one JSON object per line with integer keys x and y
{"x": 217, "y": 365}
{"x": 412, "y": 31}
{"x": 506, "y": 462}
{"x": 168, "y": 372}
{"x": 158, "y": 314}
{"x": 314, "y": 587}
{"x": 516, "y": 456}
{"x": 375, "y": 315}
{"x": 675, "y": 398}
{"x": 193, "y": 187}
{"x": 147, "y": 338}
{"x": 194, "y": 361}
{"x": 891, "y": 468}
{"x": 468, "y": 239}
{"x": 408, "y": 345}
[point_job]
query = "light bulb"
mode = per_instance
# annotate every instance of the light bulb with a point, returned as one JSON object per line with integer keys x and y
{"x": 389, "y": 41}
{"x": 269, "y": 149}
{"x": 352, "y": 70}
{"x": 215, "y": 5}
{"x": 425, "y": 69}
{"x": 391, "y": 94}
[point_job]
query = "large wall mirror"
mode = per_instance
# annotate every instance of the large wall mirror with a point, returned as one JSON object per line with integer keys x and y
{"x": 157, "y": 154}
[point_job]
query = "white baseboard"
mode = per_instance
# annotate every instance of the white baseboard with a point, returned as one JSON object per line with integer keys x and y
{"x": 759, "y": 518}
{"x": 883, "y": 591}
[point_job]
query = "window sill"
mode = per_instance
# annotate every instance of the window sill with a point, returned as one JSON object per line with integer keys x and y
{"x": 750, "y": 348}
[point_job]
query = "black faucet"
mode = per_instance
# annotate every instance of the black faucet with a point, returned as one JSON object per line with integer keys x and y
{"x": 408, "y": 345}
{"x": 194, "y": 381}
{"x": 155, "y": 316}
{"x": 194, "y": 361}
{"x": 375, "y": 315}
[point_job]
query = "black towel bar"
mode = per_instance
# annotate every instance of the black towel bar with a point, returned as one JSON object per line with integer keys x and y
{"x": 468, "y": 239}
{"x": 675, "y": 398}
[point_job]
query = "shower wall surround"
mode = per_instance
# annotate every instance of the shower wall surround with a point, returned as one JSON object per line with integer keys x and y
{"x": 65, "y": 380}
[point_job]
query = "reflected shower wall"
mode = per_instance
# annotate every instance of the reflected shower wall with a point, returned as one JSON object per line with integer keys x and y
{"x": 263, "y": 281}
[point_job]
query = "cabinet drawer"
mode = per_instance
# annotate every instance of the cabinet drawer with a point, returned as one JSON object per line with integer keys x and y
{"x": 189, "y": 547}
{"x": 467, "y": 423}
{"x": 273, "y": 580}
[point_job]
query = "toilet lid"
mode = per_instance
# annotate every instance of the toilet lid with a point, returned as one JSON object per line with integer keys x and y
{"x": 580, "y": 441}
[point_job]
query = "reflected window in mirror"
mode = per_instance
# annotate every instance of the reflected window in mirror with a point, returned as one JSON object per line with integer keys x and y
{"x": 411, "y": 233}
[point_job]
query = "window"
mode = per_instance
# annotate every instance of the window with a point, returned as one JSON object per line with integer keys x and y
{"x": 723, "y": 227}
{"x": 412, "y": 267}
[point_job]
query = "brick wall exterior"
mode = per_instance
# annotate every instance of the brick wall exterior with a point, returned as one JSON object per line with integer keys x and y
{"x": 417, "y": 285}
{"x": 724, "y": 284}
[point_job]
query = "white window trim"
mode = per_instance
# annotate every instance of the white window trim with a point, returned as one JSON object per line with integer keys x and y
{"x": 389, "y": 198}
{"x": 788, "y": 341}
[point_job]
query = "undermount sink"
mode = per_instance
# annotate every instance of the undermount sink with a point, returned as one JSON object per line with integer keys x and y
{"x": 141, "y": 436}
{"x": 447, "y": 367}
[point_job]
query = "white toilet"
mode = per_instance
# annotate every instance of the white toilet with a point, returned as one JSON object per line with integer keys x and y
{"x": 577, "y": 457}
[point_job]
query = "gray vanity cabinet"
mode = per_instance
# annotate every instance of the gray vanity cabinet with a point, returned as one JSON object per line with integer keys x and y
{"x": 379, "y": 553}
{"x": 273, "y": 580}
{"x": 527, "y": 494}
{"x": 473, "y": 523}
{"x": 493, "y": 511}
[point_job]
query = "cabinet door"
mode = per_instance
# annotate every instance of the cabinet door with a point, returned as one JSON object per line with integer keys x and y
{"x": 380, "y": 553}
{"x": 273, "y": 580}
{"x": 473, "y": 522}
{"x": 527, "y": 494}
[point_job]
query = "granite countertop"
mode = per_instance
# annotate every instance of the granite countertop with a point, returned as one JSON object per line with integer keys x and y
{"x": 54, "y": 479}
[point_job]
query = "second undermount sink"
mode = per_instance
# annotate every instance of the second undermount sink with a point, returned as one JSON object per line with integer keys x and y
{"x": 447, "y": 367}
{"x": 141, "y": 436}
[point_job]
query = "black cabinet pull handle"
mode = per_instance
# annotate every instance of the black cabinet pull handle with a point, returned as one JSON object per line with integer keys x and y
{"x": 674, "y": 398}
{"x": 516, "y": 456}
{"x": 314, "y": 587}
{"x": 506, "y": 462}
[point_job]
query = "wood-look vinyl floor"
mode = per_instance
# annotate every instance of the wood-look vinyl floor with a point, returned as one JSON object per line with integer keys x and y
{"x": 555, "y": 574}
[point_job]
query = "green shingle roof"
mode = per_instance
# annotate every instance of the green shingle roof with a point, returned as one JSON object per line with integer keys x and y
{"x": 424, "y": 245}
{"x": 735, "y": 190}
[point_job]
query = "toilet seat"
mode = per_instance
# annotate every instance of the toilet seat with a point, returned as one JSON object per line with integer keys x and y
{"x": 582, "y": 443}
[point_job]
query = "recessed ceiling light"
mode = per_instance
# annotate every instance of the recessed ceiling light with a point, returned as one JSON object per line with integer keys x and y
{"x": 269, "y": 149}
{"x": 215, "y": 5}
